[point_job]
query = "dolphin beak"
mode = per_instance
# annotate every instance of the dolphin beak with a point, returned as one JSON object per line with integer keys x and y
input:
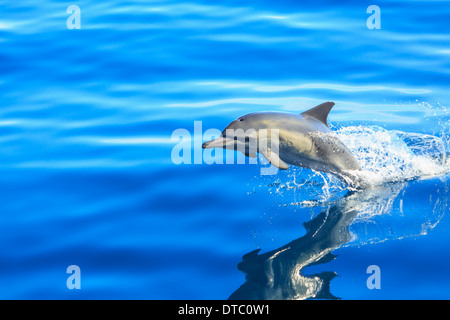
{"x": 220, "y": 142}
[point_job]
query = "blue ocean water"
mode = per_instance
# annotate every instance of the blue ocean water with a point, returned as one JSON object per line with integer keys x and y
{"x": 87, "y": 176}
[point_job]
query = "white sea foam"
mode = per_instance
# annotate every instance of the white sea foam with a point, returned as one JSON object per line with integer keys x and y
{"x": 386, "y": 156}
{"x": 393, "y": 156}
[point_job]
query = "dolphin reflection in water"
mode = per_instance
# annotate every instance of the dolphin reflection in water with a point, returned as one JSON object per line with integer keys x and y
{"x": 279, "y": 275}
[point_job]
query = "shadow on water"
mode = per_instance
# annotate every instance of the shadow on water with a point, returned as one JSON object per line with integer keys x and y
{"x": 279, "y": 274}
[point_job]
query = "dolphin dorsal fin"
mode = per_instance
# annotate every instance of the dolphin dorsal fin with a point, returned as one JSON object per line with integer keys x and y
{"x": 320, "y": 112}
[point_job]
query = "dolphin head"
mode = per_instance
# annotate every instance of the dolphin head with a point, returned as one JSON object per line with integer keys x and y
{"x": 238, "y": 133}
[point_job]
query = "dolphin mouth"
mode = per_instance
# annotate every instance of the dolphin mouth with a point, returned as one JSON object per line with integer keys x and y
{"x": 220, "y": 142}
{"x": 216, "y": 143}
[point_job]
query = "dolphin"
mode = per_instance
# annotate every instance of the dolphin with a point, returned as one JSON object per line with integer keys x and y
{"x": 303, "y": 140}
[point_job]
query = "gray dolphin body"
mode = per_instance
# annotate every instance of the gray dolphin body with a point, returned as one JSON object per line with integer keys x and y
{"x": 303, "y": 140}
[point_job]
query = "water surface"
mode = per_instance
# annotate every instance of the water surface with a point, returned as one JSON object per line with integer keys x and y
{"x": 87, "y": 178}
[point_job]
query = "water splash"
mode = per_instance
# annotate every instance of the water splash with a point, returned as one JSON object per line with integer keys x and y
{"x": 307, "y": 188}
{"x": 386, "y": 156}
{"x": 394, "y": 156}
{"x": 390, "y": 212}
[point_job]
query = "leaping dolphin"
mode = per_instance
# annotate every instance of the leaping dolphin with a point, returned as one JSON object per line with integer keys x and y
{"x": 303, "y": 140}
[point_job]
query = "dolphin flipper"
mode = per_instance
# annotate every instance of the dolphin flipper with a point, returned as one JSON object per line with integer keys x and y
{"x": 274, "y": 159}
